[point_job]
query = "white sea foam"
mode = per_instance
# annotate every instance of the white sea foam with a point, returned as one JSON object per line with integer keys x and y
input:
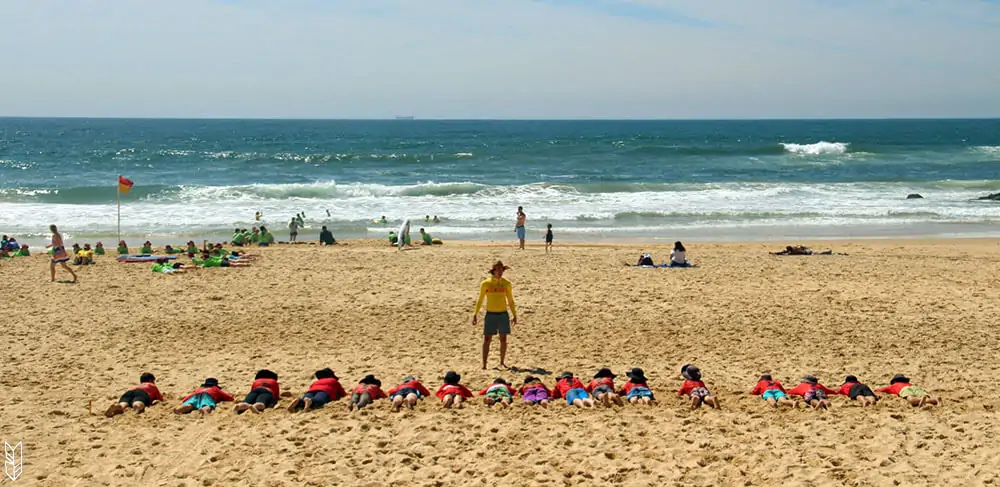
{"x": 819, "y": 148}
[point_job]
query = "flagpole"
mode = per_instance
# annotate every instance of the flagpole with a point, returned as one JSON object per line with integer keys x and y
{"x": 118, "y": 186}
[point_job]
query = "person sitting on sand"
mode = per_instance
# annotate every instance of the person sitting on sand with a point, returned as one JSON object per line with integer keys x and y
{"x": 75, "y": 252}
{"x": 239, "y": 238}
{"x": 408, "y": 393}
{"x": 122, "y": 248}
{"x": 88, "y": 254}
{"x": 815, "y": 394}
{"x": 645, "y": 260}
{"x": 99, "y": 248}
{"x": 694, "y": 388}
{"x": 500, "y": 392}
{"x": 191, "y": 248}
{"x": 393, "y": 238}
{"x": 636, "y": 390}
{"x": 678, "y": 257}
{"x": 326, "y": 237}
{"x": 264, "y": 393}
{"x": 204, "y": 398}
{"x": 426, "y": 238}
{"x": 453, "y": 393}
{"x": 325, "y": 389}
{"x": 138, "y": 398}
{"x": 603, "y": 388}
{"x": 23, "y": 251}
{"x": 266, "y": 238}
{"x": 572, "y": 390}
{"x": 4, "y": 253}
{"x": 857, "y": 391}
{"x": 366, "y": 392}
{"x": 147, "y": 248}
{"x": 534, "y": 392}
{"x": 900, "y": 385}
{"x": 773, "y": 392}
{"x": 12, "y": 245}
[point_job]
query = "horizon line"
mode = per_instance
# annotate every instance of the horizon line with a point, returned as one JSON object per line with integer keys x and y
{"x": 487, "y": 119}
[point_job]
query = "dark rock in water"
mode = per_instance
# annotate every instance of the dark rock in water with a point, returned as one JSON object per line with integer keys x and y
{"x": 992, "y": 197}
{"x": 914, "y": 196}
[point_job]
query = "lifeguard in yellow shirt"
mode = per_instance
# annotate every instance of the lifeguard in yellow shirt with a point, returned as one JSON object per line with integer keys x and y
{"x": 497, "y": 292}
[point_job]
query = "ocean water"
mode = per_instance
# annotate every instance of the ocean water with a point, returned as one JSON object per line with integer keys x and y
{"x": 664, "y": 180}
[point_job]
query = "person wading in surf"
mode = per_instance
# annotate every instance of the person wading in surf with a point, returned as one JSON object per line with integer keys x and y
{"x": 519, "y": 226}
{"x": 497, "y": 292}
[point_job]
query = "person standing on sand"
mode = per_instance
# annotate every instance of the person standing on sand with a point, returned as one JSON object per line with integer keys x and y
{"x": 497, "y": 292}
{"x": 59, "y": 255}
{"x": 519, "y": 226}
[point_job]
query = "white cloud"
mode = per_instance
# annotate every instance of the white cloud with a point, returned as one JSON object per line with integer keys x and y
{"x": 515, "y": 58}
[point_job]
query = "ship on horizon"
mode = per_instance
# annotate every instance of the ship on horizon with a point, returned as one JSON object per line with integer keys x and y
{"x": 404, "y": 117}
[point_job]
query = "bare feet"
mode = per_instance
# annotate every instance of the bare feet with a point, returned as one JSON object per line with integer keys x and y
{"x": 293, "y": 405}
{"x": 114, "y": 410}
{"x": 307, "y": 404}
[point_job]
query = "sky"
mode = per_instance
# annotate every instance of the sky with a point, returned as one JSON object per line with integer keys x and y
{"x": 500, "y": 58}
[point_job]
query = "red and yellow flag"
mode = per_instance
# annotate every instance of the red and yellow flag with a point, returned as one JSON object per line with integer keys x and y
{"x": 124, "y": 184}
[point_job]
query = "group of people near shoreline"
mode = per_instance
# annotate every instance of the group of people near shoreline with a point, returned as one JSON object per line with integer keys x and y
{"x": 265, "y": 392}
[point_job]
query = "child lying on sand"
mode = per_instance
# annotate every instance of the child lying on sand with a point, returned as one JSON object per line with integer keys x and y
{"x": 573, "y": 390}
{"x": 452, "y": 392}
{"x": 814, "y": 393}
{"x": 636, "y": 391}
{"x": 368, "y": 390}
{"x": 408, "y": 393}
{"x": 204, "y": 398}
{"x": 500, "y": 392}
{"x": 138, "y": 398}
{"x": 857, "y": 391}
{"x": 264, "y": 393}
{"x": 773, "y": 392}
{"x": 694, "y": 388}
{"x": 603, "y": 388}
{"x": 534, "y": 392}
{"x": 802, "y": 250}
{"x": 900, "y": 385}
{"x": 325, "y": 389}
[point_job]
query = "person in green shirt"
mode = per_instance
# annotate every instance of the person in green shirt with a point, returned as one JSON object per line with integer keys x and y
{"x": 22, "y": 252}
{"x": 393, "y": 238}
{"x": 147, "y": 248}
{"x": 122, "y": 248}
{"x": 239, "y": 238}
{"x": 254, "y": 237}
{"x": 265, "y": 237}
{"x": 99, "y": 248}
{"x": 427, "y": 240}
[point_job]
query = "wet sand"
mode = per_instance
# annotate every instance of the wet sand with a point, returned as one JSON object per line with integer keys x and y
{"x": 926, "y": 308}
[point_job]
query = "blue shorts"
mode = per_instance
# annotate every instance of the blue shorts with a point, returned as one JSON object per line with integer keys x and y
{"x": 200, "y": 401}
{"x": 640, "y": 392}
{"x": 775, "y": 394}
{"x": 574, "y": 394}
{"x": 520, "y": 232}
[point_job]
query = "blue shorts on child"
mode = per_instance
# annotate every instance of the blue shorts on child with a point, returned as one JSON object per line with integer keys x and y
{"x": 574, "y": 394}
{"x": 201, "y": 401}
{"x": 640, "y": 392}
{"x": 775, "y": 394}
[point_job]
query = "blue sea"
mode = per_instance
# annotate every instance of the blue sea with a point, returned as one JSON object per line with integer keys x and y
{"x": 592, "y": 180}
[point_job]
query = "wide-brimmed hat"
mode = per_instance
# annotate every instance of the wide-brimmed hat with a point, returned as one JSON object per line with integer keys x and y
{"x": 690, "y": 372}
{"x": 326, "y": 373}
{"x": 810, "y": 379}
{"x": 370, "y": 379}
{"x": 604, "y": 372}
{"x": 636, "y": 375}
{"x": 265, "y": 374}
{"x": 529, "y": 379}
{"x": 409, "y": 378}
{"x": 565, "y": 375}
{"x": 211, "y": 382}
{"x": 850, "y": 378}
{"x": 498, "y": 265}
{"x": 452, "y": 377}
{"x": 501, "y": 380}
{"x": 899, "y": 378}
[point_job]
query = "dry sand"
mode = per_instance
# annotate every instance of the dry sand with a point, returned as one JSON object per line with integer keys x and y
{"x": 925, "y": 308}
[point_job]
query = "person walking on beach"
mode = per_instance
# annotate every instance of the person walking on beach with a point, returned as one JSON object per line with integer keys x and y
{"x": 497, "y": 292}
{"x": 293, "y": 230}
{"x": 59, "y": 255}
{"x": 519, "y": 226}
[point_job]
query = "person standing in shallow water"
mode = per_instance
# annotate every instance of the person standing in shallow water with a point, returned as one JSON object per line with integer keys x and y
{"x": 519, "y": 226}
{"x": 498, "y": 295}
{"x": 59, "y": 255}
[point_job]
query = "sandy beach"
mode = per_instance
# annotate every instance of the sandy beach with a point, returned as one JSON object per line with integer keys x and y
{"x": 926, "y": 308}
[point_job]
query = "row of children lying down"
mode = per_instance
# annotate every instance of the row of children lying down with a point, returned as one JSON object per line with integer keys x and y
{"x": 265, "y": 392}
